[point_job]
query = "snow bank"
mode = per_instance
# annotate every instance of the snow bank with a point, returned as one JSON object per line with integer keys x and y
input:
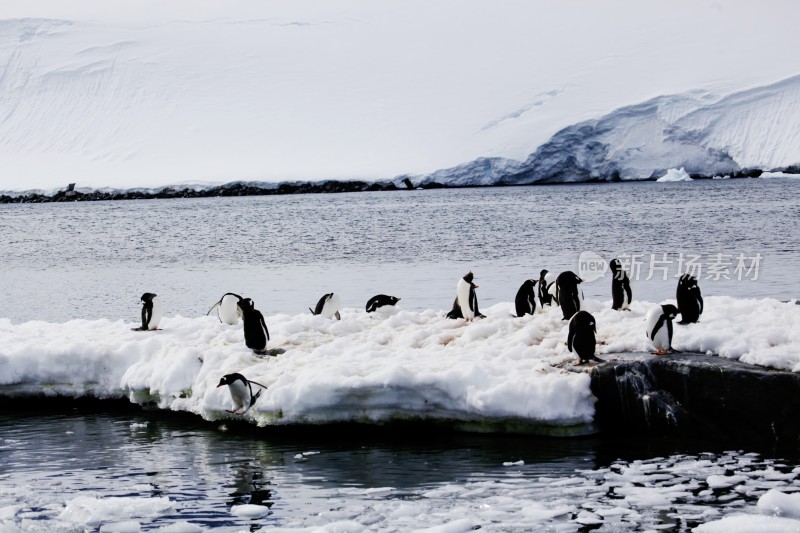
{"x": 675, "y": 175}
{"x": 500, "y": 372}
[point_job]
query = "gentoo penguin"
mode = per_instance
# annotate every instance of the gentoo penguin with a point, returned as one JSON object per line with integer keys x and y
{"x": 658, "y": 323}
{"x": 621, "y": 294}
{"x": 151, "y": 312}
{"x": 241, "y": 390}
{"x": 690, "y": 301}
{"x": 545, "y": 279}
{"x": 466, "y": 303}
{"x": 581, "y": 337}
{"x": 525, "y": 301}
{"x": 379, "y": 300}
{"x": 568, "y": 295}
{"x": 256, "y": 333}
{"x": 228, "y": 308}
{"x": 328, "y": 306}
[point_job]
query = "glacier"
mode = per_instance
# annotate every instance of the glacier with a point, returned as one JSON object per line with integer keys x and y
{"x": 754, "y": 129}
{"x": 524, "y": 92}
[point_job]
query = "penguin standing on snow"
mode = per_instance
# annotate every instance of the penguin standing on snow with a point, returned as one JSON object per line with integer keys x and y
{"x": 658, "y": 324}
{"x": 568, "y": 295}
{"x": 621, "y": 294}
{"x": 525, "y": 301}
{"x": 228, "y": 308}
{"x": 241, "y": 390}
{"x": 256, "y": 333}
{"x": 380, "y": 300}
{"x": 328, "y": 306}
{"x": 151, "y": 312}
{"x": 690, "y": 301}
{"x": 466, "y": 303}
{"x": 545, "y": 280}
{"x": 581, "y": 339}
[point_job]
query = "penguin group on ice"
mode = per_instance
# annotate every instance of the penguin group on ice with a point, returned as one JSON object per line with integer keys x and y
{"x": 562, "y": 290}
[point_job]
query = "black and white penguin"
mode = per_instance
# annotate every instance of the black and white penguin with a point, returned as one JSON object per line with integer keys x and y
{"x": 241, "y": 390}
{"x": 621, "y": 294}
{"x": 466, "y": 303}
{"x": 658, "y": 325}
{"x": 581, "y": 339}
{"x": 690, "y": 301}
{"x": 328, "y": 306}
{"x": 228, "y": 308}
{"x": 380, "y": 300}
{"x": 151, "y": 312}
{"x": 568, "y": 295}
{"x": 525, "y": 301}
{"x": 256, "y": 333}
{"x": 545, "y": 280}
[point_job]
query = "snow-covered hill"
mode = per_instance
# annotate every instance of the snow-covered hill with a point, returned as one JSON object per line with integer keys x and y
{"x": 127, "y": 95}
{"x": 753, "y": 129}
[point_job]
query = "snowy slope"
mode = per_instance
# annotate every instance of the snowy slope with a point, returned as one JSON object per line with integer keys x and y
{"x": 495, "y": 374}
{"x": 758, "y": 128}
{"x": 128, "y": 95}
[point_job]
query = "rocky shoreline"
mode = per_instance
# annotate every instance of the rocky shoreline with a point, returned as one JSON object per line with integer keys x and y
{"x": 696, "y": 395}
{"x": 69, "y": 194}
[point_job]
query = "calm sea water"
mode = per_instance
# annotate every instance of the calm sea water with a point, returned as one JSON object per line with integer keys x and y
{"x": 93, "y": 260}
{"x": 85, "y": 468}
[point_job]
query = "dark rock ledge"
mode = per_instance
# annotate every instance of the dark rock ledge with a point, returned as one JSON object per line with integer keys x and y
{"x": 692, "y": 395}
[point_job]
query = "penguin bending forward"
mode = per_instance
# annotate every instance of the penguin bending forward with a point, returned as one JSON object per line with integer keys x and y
{"x": 525, "y": 301}
{"x": 466, "y": 304}
{"x": 581, "y": 337}
{"x": 568, "y": 295}
{"x": 690, "y": 301}
{"x": 380, "y": 300}
{"x": 241, "y": 390}
{"x": 328, "y": 306}
{"x": 228, "y": 308}
{"x": 151, "y": 312}
{"x": 658, "y": 325}
{"x": 256, "y": 333}
{"x": 621, "y": 295}
{"x": 545, "y": 280}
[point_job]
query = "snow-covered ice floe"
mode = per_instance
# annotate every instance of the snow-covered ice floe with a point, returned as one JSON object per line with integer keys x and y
{"x": 500, "y": 373}
{"x": 674, "y": 174}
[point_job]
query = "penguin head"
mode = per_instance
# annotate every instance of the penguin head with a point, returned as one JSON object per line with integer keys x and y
{"x": 148, "y": 297}
{"x": 543, "y": 273}
{"x": 245, "y": 304}
{"x": 394, "y": 299}
{"x": 227, "y": 379}
{"x": 469, "y": 277}
{"x": 670, "y": 311}
{"x": 615, "y": 265}
{"x": 688, "y": 282}
{"x": 584, "y": 320}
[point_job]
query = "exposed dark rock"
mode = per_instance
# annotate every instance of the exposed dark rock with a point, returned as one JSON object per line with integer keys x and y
{"x": 700, "y": 396}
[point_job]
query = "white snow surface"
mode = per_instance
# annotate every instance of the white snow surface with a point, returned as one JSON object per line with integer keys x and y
{"x": 146, "y": 94}
{"x": 494, "y": 374}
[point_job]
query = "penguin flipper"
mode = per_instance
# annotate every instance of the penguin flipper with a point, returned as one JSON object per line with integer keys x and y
{"x": 657, "y": 327}
{"x": 312, "y": 311}
{"x": 214, "y": 307}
